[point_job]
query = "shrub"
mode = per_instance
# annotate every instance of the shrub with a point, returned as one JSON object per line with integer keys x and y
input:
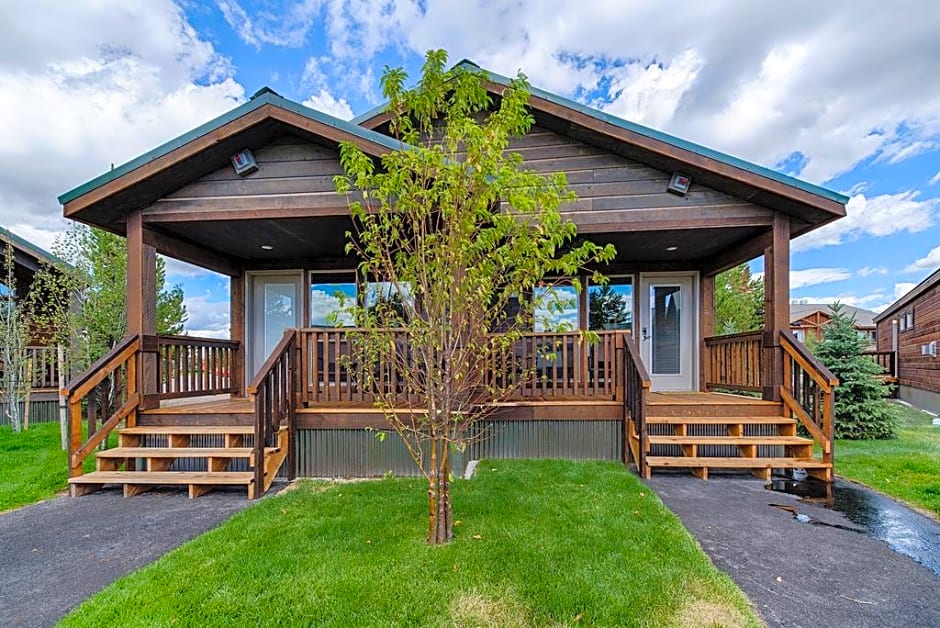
{"x": 861, "y": 410}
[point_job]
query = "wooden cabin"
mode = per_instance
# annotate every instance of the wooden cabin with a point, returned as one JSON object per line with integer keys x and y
{"x": 44, "y": 357}
{"x": 649, "y": 393}
{"x": 807, "y": 321}
{"x": 909, "y": 337}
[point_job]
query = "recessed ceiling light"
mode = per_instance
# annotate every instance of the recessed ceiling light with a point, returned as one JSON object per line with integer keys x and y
{"x": 668, "y": 248}
{"x": 267, "y": 247}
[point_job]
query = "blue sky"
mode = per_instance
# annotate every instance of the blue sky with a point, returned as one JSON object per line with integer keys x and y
{"x": 840, "y": 95}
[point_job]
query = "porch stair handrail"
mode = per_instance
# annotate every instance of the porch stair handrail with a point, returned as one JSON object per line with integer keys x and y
{"x": 636, "y": 385}
{"x": 115, "y": 374}
{"x": 733, "y": 361}
{"x": 808, "y": 392}
{"x": 275, "y": 389}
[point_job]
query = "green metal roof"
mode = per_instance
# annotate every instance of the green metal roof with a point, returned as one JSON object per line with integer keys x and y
{"x": 27, "y": 246}
{"x": 264, "y": 96}
{"x": 648, "y": 132}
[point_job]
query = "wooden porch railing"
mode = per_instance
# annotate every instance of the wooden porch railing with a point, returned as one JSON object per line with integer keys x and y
{"x": 885, "y": 359}
{"x": 734, "y": 361}
{"x": 45, "y": 367}
{"x": 561, "y": 365}
{"x": 636, "y": 389}
{"x": 107, "y": 392}
{"x": 274, "y": 390}
{"x": 194, "y": 367}
{"x": 807, "y": 392}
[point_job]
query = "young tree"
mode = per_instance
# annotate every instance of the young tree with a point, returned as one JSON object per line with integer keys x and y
{"x": 84, "y": 305}
{"x": 15, "y": 370}
{"x": 861, "y": 411}
{"x": 454, "y": 222}
{"x": 739, "y": 301}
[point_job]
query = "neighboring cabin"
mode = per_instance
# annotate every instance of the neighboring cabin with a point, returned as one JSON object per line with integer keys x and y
{"x": 807, "y": 320}
{"x": 911, "y": 327}
{"x": 28, "y": 259}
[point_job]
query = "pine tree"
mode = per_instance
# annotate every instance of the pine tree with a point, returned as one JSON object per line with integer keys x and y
{"x": 739, "y": 301}
{"x": 861, "y": 411}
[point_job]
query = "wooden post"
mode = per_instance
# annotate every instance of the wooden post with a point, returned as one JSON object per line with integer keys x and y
{"x": 776, "y": 305}
{"x": 237, "y": 332}
{"x": 142, "y": 306}
{"x": 707, "y": 324}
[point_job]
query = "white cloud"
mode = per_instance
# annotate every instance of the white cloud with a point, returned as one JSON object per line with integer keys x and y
{"x": 762, "y": 81}
{"x": 882, "y": 215}
{"x": 869, "y": 271}
{"x": 902, "y": 288}
{"x": 88, "y": 85}
{"x": 327, "y": 103}
{"x": 930, "y": 262}
{"x": 208, "y": 319}
{"x": 867, "y": 301}
{"x": 817, "y": 276}
{"x": 175, "y": 270}
{"x": 935, "y": 179}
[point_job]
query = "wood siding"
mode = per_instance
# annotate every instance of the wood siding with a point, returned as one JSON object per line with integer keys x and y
{"x": 614, "y": 190}
{"x": 914, "y": 369}
{"x": 292, "y": 174}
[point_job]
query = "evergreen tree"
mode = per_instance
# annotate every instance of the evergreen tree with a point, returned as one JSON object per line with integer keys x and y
{"x": 607, "y": 309}
{"x": 861, "y": 411}
{"x": 739, "y": 301}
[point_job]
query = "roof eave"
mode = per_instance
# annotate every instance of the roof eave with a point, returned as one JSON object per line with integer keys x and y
{"x": 370, "y": 141}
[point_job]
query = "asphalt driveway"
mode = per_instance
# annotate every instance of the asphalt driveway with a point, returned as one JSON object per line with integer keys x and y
{"x": 56, "y": 553}
{"x": 807, "y": 565}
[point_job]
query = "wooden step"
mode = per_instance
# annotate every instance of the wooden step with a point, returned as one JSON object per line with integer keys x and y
{"x": 137, "y": 482}
{"x": 709, "y": 409}
{"x": 180, "y": 452}
{"x": 719, "y": 420}
{"x": 729, "y": 440}
{"x": 188, "y": 430}
{"x": 735, "y": 463}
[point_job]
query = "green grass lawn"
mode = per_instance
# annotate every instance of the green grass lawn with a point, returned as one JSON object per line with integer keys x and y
{"x": 538, "y": 543}
{"x": 907, "y": 467}
{"x": 32, "y": 465}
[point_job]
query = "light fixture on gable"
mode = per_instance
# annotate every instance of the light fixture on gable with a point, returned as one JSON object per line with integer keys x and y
{"x": 244, "y": 162}
{"x": 267, "y": 247}
{"x": 672, "y": 248}
{"x": 679, "y": 184}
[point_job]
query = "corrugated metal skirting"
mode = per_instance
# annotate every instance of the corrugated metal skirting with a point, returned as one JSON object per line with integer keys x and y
{"x": 39, "y": 412}
{"x": 357, "y": 453}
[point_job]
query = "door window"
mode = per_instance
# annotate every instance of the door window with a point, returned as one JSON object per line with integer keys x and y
{"x": 665, "y": 311}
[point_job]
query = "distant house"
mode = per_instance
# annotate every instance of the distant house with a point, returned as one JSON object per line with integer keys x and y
{"x": 27, "y": 261}
{"x": 808, "y": 319}
{"x": 910, "y": 328}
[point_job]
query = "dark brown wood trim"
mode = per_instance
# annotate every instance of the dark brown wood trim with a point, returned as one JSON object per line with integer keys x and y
{"x": 178, "y": 248}
{"x": 142, "y": 303}
{"x": 707, "y": 324}
{"x": 743, "y": 252}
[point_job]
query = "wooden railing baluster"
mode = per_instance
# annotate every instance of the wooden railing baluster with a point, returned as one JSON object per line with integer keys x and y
{"x": 733, "y": 361}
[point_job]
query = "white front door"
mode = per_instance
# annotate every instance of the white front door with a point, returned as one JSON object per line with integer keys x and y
{"x": 668, "y": 337}
{"x": 275, "y": 304}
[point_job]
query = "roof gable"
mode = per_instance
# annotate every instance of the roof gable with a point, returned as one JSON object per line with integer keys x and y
{"x": 813, "y": 204}
{"x": 209, "y": 146}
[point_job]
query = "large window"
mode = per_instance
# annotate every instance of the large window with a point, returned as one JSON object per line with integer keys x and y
{"x": 391, "y": 302}
{"x": 330, "y": 293}
{"x": 555, "y": 308}
{"x": 611, "y": 306}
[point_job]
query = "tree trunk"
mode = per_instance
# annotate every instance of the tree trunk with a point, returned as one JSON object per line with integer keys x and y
{"x": 440, "y": 526}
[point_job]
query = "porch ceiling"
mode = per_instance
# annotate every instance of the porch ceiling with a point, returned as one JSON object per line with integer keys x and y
{"x": 321, "y": 241}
